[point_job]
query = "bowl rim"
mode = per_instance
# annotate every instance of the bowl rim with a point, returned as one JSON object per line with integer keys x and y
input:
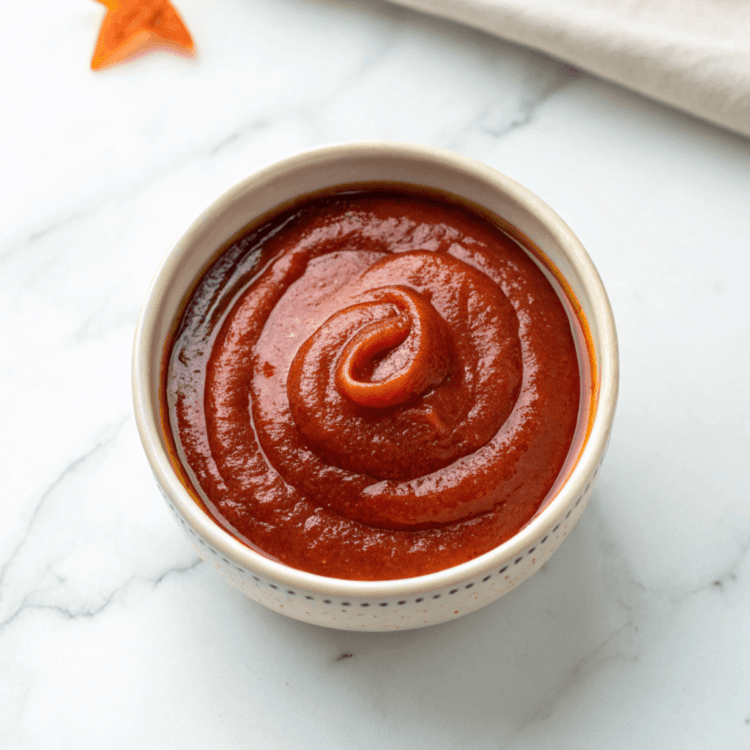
{"x": 607, "y": 367}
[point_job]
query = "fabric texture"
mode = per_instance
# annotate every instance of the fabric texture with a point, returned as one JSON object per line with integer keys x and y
{"x": 691, "y": 54}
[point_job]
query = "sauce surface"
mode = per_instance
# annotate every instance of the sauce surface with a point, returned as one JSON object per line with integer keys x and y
{"x": 374, "y": 385}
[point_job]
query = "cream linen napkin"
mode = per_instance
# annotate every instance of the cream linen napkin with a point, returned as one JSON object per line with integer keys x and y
{"x": 692, "y": 54}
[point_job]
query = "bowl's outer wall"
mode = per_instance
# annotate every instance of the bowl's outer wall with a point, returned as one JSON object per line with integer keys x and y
{"x": 380, "y": 605}
{"x": 430, "y": 606}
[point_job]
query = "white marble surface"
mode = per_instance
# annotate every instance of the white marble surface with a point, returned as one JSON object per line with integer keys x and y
{"x": 113, "y": 635}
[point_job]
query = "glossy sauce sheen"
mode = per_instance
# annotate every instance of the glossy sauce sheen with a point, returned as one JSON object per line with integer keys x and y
{"x": 374, "y": 385}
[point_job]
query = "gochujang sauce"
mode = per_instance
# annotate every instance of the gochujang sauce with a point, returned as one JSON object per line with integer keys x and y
{"x": 373, "y": 385}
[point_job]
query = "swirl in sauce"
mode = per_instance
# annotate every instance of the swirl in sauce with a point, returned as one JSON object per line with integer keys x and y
{"x": 374, "y": 385}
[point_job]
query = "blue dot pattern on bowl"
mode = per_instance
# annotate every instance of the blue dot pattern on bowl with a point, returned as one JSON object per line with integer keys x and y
{"x": 205, "y": 550}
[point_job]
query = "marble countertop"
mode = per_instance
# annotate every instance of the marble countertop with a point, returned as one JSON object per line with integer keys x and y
{"x": 114, "y": 635}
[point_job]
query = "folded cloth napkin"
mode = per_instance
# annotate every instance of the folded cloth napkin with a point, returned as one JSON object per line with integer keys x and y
{"x": 692, "y": 54}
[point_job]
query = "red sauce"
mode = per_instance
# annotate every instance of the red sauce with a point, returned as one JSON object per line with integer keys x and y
{"x": 374, "y": 385}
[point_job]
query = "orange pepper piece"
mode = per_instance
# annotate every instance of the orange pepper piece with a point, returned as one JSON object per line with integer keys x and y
{"x": 134, "y": 26}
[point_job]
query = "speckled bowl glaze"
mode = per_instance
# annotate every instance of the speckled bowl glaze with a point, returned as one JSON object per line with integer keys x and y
{"x": 410, "y": 602}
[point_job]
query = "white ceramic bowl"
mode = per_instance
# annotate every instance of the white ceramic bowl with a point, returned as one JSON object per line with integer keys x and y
{"x": 410, "y": 602}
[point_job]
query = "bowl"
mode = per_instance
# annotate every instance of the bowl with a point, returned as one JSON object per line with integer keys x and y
{"x": 407, "y": 602}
